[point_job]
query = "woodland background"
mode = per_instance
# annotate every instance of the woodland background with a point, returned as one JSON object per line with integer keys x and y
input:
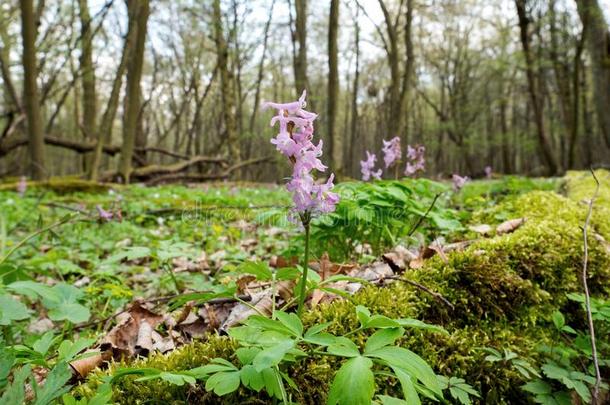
{"x": 161, "y": 90}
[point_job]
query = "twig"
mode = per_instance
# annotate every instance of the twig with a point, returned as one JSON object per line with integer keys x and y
{"x": 598, "y": 377}
{"x": 436, "y": 295}
{"x": 421, "y": 219}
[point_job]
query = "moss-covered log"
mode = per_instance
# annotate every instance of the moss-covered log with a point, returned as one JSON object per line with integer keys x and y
{"x": 503, "y": 288}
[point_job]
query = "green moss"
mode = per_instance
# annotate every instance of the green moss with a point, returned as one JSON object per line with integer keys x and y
{"x": 504, "y": 289}
{"x": 60, "y": 185}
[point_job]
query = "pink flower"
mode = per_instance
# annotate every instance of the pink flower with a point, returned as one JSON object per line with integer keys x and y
{"x": 367, "y": 166}
{"x": 459, "y": 182}
{"x": 22, "y": 186}
{"x": 415, "y": 159}
{"x": 295, "y": 142}
{"x": 488, "y": 172}
{"x": 104, "y": 215}
{"x": 391, "y": 151}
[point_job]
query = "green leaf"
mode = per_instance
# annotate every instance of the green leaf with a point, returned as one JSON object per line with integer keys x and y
{"x": 15, "y": 393}
{"x": 11, "y": 310}
{"x": 272, "y": 356}
{"x": 354, "y": 383}
{"x": 537, "y": 387}
{"x": 246, "y": 354}
{"x": 32, "y": 289}
{"x": 314, "y": 330}
{"x": 252, "y": 378}
{"x": 265, "y": 323}
{"x": 558, "y": 320}
{"x": 408, "y": 388}
{"x": 380, "y": 322}
{"x": 177, "y": 379}
{"x": 287, "y": 273}
{"x": 411, "y": 363}
{"x": 291, "y": 321}
{"x": 272, "y": 382}
{"x": 417, "y": 324}
{"x": 343, "y": 347}
{"x": 43, "y": 344}
{"x": 260, "y": 270}
{"x": 363, "y": 314}
{"x": 67, "y": 350}
{"x": 223, "y": 383}
{"x": 381, "y": 338}
{"x": 54, "y": 385}
{"x": 66, "y": 306}
{"x": 387, "y": 400}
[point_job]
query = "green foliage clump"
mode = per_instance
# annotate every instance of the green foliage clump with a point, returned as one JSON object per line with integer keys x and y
{"x": 504, "y": 290}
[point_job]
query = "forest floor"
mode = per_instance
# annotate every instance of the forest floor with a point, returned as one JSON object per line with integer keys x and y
{"x": 124, "y": 294}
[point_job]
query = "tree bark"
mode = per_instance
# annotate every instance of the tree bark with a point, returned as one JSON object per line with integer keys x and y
{"x": 535, "y": 95}
{"x": 334, "y": 136}
{"x": 30, "y": 88}
{"x": 597, "y": 36}
{"x": 226, "y": 85}
{"x": 87, "y": 71}
{"x": 134, "y": 75}
{"x": 355, "y": 86}
{"x": 300, "y": 62}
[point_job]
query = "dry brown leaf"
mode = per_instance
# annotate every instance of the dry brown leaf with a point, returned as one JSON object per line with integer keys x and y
{"x": 260, "y": 303}
{"x": 144, "y": 343}
{"x": 482, "y": 229}
{"x": 243, "y": 281}
{"x": 82, "y": 367}
{"x": 509, "y": 226}
{"x": 399, "y": 258}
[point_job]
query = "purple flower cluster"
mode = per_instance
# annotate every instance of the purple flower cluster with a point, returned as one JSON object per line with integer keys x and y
{"x": 459, "y": 182}
{"x": 415, "y": 159}
{"x": 295, "y": 142}
{"x": 488, "y": 172}
{"x": 22, "y": 186}
{"x": 391, "y": 151}
{"x": 104, "y": 215}
{"x": 367, "y": 166}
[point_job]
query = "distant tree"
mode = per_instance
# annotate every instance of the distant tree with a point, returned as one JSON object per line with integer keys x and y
{"x": 335, "y": 147}
{"x": 597, "y": 34}
{"x": 139, "y": 11}
{"x": 29, "y": 23}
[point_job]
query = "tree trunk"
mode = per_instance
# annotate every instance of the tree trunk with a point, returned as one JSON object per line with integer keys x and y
{"x": 407, "y": 74}
{"x": 535, "y": 95}
{"x": 597, "y": 36}
{"x": 104, "y": 132}
{"x": 87, "y": 71}
{"x": 30, "y": 88}
{"x": 300, "y": 61}
{"x": 226, "y": 86}
{"x": 336, "y": 143}
{"x": 354, "y": 124}
{"x": 134, "y": 74}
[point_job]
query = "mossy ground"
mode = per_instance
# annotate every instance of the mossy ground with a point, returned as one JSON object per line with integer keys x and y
{"x": 504, "y": 289}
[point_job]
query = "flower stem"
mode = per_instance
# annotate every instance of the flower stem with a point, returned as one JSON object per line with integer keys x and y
{"x": 303, "y": 288}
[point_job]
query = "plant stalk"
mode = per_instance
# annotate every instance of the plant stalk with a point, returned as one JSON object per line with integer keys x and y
{"x": 305, "y": 219}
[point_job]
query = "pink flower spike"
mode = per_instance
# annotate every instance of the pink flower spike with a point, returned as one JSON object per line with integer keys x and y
{"x": 104, "y": 215}
{"x": 459, "y": 182}
{"x": 391, "y": 151}
{"x": 22, "y": 186}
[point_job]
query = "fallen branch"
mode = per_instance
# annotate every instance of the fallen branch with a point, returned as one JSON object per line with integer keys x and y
{"x": 436, "y": 295}
{"x": 172, "y": 177}
{"x": 598, "y": 377}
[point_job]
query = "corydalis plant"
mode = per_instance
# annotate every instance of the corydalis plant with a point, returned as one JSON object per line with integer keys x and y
{"x": 415, "y": 159}
{"x": 391, "y": 151}
{"x": 295, "y": 142}
{"x": 367, "y": 166}
{"x": 459, "y": 182}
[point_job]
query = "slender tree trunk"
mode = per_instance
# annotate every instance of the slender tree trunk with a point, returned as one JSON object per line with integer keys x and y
{"x": 535, "y": 95}
{"x": 30, "y": 88}
{"x": 355, "y": 86}
{"x": 89, "y": 99}
{"x": 597, "y": 36}
{"x": 407, "y": 74}
{"x": 261, "y": 66}
{"x": 104, "y": 132}
{"x": 133, "y": 105}
{"x": 336, "y": 143}
{"x": 226, "y": 85}
{"x": 300, "y": 62}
